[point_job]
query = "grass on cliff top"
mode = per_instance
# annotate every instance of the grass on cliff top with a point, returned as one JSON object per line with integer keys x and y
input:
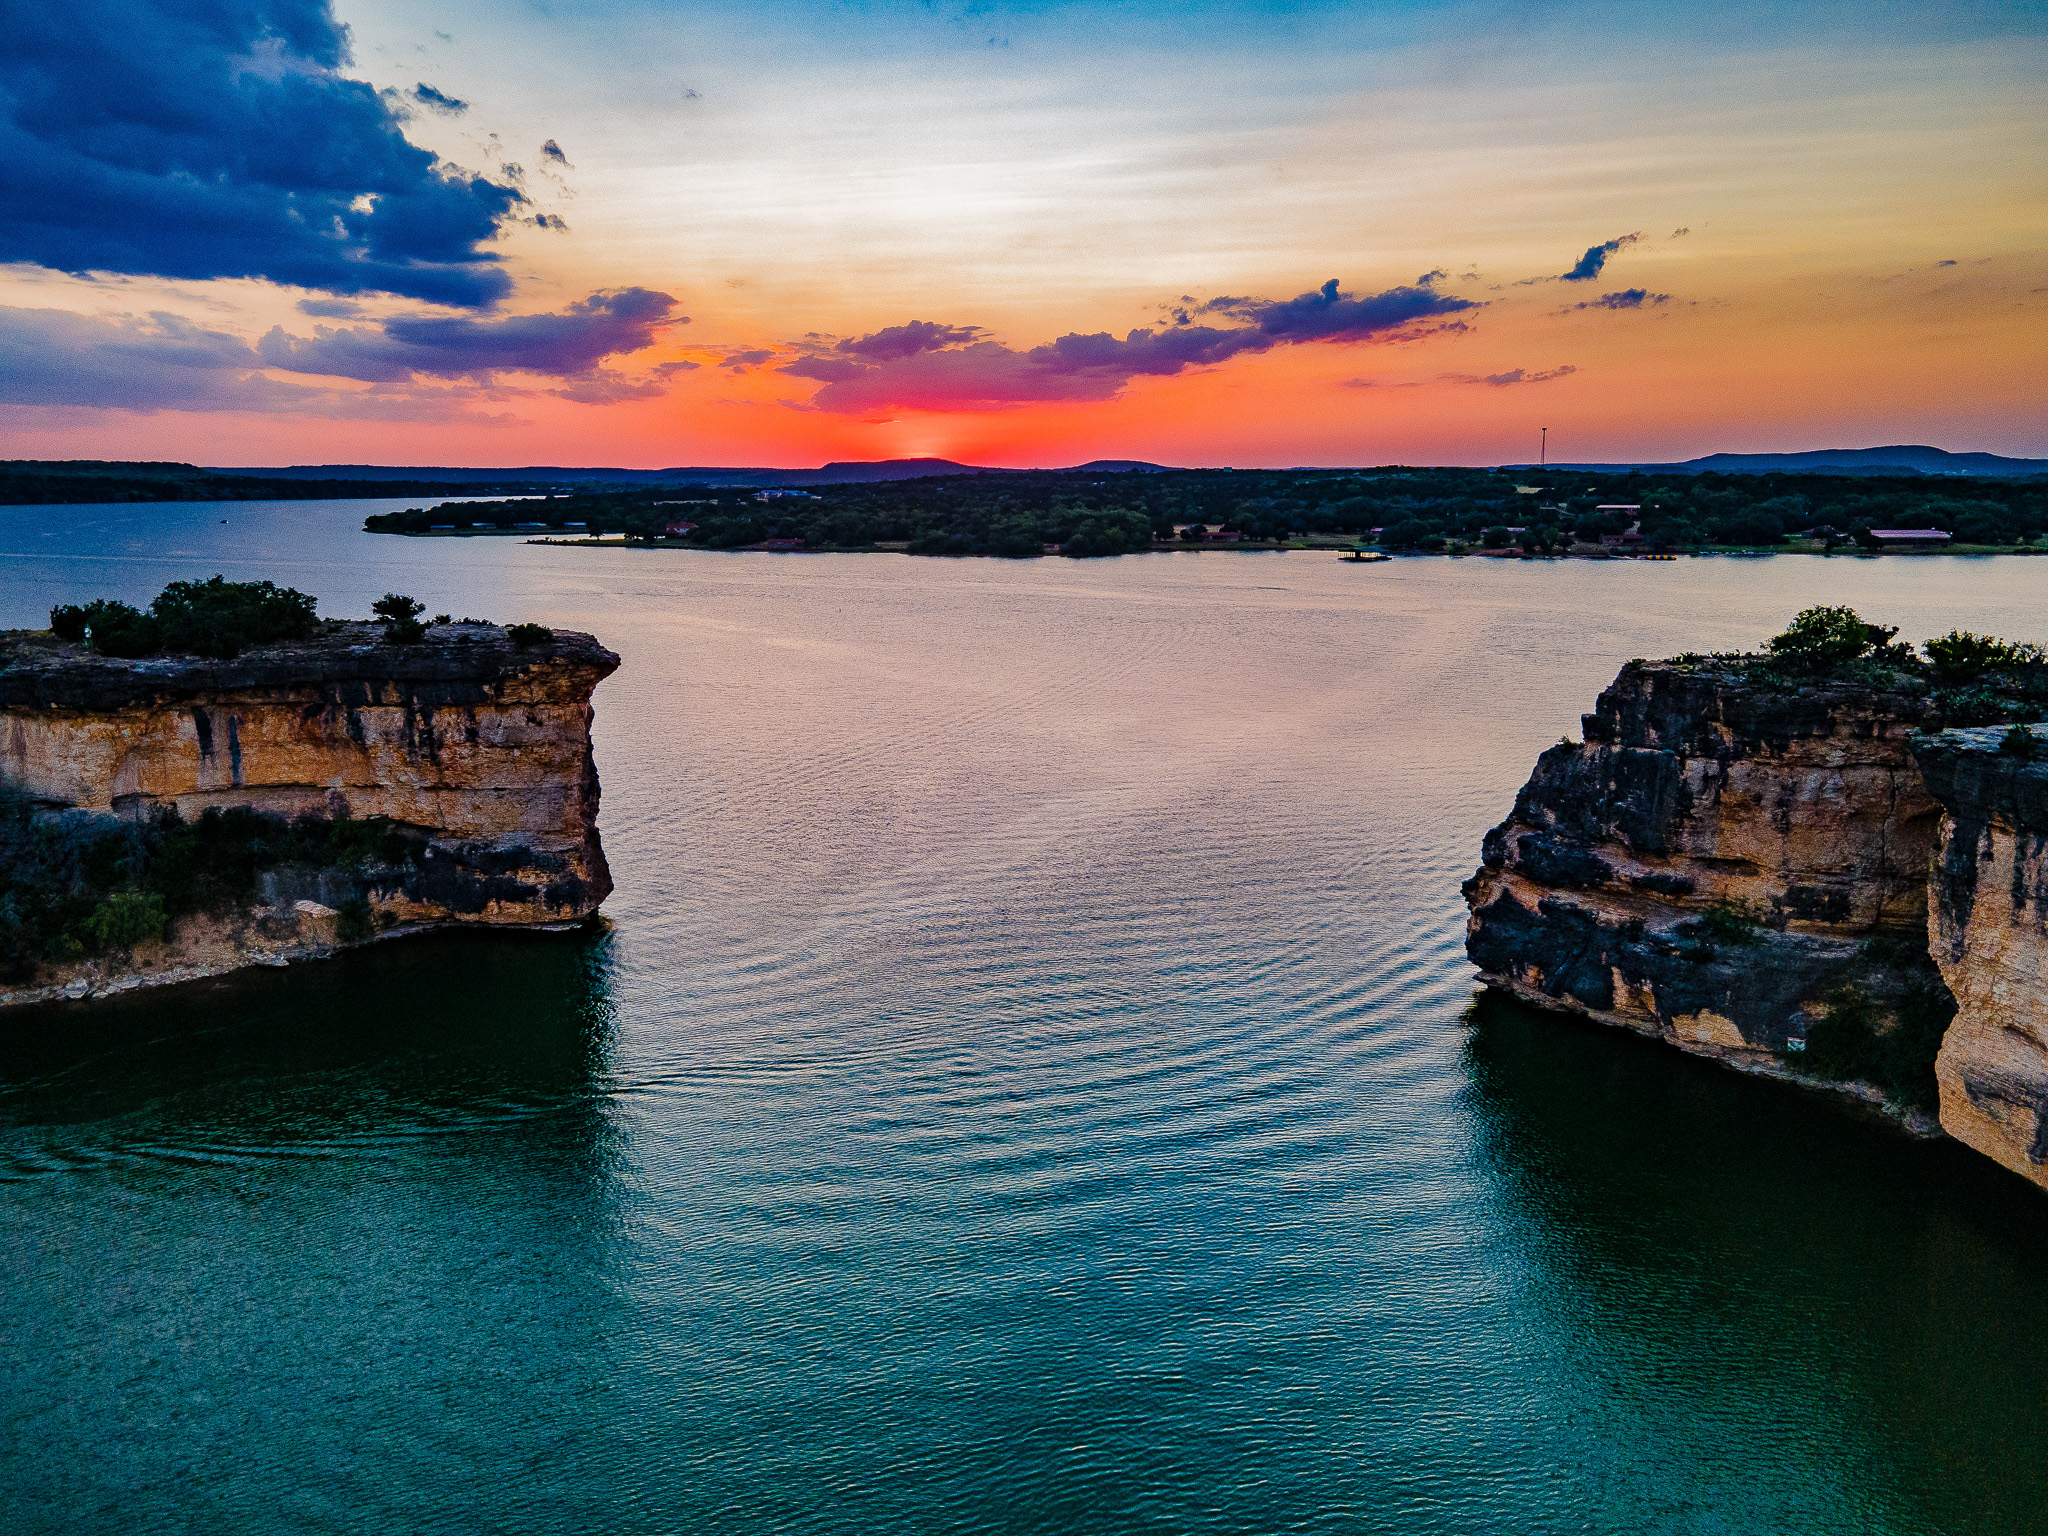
{"x": 75, "y": 885}
{"x": 1974, "y": 679}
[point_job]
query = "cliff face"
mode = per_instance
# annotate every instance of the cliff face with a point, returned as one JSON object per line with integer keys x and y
{"x": 478, "y": 750}
{"x": 1709, "y": 866}
{"x": 1988, "y": 931}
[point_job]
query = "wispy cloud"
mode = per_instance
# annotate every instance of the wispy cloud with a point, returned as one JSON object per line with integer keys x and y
{"x": 1512, "y": 376}
{"x": 1627, "y": 298}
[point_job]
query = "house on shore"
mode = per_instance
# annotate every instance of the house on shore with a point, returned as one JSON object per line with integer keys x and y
{"x": 1909, "y": 541}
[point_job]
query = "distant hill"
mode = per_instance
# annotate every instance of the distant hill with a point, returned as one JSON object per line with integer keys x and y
{"x": 44, "y": 481}
{"x": 1929, "y": 461}
{"x": 840, "y": 472}
{"x": 1902, "y": 459}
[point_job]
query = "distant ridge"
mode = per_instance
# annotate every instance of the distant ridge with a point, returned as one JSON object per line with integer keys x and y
{"x": 1900, "y": 459}
{"x": 841, "y": 472}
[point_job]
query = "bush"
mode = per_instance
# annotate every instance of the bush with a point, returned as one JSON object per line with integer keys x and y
{"x": 126, "y": 919}
{"x": 215, "y": 617}
{"x": 523, "y": 635}
{"x": 111, "y": 628}
{"x": 1853, "y": 1043}
{"x": 401, "y": 618}
{"x": 1981, "y": 705}
{"x": 1819, "y": 640}
{"x": 2021, "y": 743}
{"x": 218, "y": 617}
{"x": 1961, "y": 657}
{"x": 353, "y": 922}
{"x": 79, "y": 884}
{"x": 1732, "y": 922}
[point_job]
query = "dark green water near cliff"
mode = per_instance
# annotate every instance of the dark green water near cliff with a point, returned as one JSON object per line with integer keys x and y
{"x": 1029, "y": 1081}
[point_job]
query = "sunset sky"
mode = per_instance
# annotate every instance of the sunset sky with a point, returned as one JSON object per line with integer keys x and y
{"x": 254, "y": 232}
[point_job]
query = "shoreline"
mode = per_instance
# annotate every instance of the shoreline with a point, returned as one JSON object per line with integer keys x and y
{"x": 1723, "y": 552}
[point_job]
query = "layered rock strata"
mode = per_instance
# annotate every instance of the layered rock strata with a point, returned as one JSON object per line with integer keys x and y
{"x": 1711, "y": 865}
{"x": 1988, "y": 930}
{"x": 478, "y": 750}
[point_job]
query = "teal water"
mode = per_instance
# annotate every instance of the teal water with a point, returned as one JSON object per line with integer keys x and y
{"x": 1029, "y": 1081}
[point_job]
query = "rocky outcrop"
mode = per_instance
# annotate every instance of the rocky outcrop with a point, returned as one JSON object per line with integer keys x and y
{"x": 1988, "y": 930}
{"x": 1718, "y": 865}
{"x": 475, "y": 749}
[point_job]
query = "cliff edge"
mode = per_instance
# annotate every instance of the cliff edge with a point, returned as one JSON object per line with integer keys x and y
{"x": 1988, "y": 930}
{"x": 1826, "y": 862}
{"x": 320, "y": 790}
{"x": 1727, "y": 864}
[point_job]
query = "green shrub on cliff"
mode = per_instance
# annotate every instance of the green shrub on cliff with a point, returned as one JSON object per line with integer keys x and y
{"x": 1821, "y": 640}
{"x": 215, "y": 617}
{"x": 353, "y": 921}
{"x": 1961, "y": 657}
{"x": 1981, "y": 704}
{"x": 2021, "y": 743}
{"x": 400, "y": 616}
{"x": 126, "y": 919}
{"x": 73, "y": 885}
{"x": 1732, "y": 922}
{"x": 1856, "y": 1041}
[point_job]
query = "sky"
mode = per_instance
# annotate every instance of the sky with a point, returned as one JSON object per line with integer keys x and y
{"x": 620, "y": 232}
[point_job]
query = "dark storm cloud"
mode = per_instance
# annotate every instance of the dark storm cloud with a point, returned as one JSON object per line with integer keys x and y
{"x": 218, "y": 138}
{"x": 1589, "y": 266}
{"x": 572, "y": 342}
{"x": 434, "y": 101}
{"x": 922, "y": 365}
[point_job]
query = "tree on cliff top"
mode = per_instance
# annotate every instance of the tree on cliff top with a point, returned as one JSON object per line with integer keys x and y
{"x": 400, "y": 616}
{"x": 215, "y": 617}
{"x": 1819, "y": 640}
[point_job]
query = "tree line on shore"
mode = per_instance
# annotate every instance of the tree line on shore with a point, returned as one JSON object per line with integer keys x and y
{"x": 1429, "y": 510}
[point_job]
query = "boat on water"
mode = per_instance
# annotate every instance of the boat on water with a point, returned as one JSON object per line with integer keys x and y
{"x": 1367, "y": 556}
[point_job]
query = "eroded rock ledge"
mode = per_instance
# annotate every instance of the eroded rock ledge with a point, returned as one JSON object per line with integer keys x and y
{"x": 1989, "y": 934}
{"x": 1717, "y": 865}
{"x": 1750, "y": 869}
{"x": 476, "y": 750}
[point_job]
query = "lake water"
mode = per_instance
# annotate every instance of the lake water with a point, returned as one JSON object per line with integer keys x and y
{"x": 1030, "y": 1081}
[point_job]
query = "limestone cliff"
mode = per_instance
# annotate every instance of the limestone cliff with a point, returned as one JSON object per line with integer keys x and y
{"x": 1988, "y": 929}
{"x": 474, "y": 750}
{"x": 1722, "y": 864}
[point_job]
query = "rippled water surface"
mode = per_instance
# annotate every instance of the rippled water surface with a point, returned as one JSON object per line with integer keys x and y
{"x": 1029, "y": 1081}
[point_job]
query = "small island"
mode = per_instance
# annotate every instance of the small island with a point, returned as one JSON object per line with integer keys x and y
{"x": 225, "y": 779}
